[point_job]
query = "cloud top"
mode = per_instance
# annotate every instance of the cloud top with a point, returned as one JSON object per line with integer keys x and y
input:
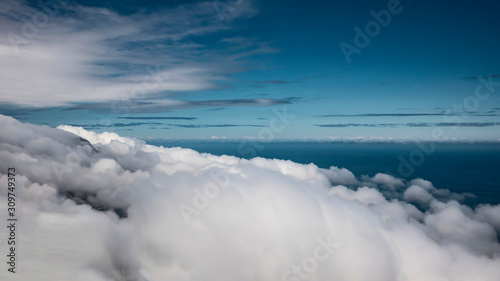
{"x": 105, "y": 207}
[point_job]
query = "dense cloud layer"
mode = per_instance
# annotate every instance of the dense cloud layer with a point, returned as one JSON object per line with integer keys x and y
{"x": 104, "y": 207}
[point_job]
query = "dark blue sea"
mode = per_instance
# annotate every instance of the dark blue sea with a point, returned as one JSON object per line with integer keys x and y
{"x": 459, "y": 167}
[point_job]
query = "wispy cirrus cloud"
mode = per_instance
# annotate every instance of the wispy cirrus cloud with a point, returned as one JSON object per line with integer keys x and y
{"x": 90, "y": 54}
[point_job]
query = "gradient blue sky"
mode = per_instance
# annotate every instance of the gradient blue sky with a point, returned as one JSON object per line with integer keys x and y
{"x": 202, "y": 70}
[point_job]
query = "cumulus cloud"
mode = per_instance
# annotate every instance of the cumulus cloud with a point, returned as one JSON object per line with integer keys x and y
{"x": 417, "y": 194}
{"x": 105, "y": 207}
{"x": 387, "y": 181}
{"x": 340, "y": 176}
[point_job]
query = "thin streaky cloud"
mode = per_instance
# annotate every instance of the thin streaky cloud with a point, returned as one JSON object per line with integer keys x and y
{"x": 423, "y": 124}
{"x": 275, "y": 82}
{"x": 159, "y": 118}
{"x": 400, "y": 115}
{"x": 211, "y": 126}
{"x": 166, "y": 105}
{"x": 216, "y": 109}
{"x": 116, "y": 125}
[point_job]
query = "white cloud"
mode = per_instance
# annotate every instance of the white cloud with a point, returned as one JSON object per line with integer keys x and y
{"x": 387, "y": 181}
{"x": 340, "y": 176}
{"x": 71, "y": 53}
{"x": 417, "y": 194}
{"x": 109, "y": 210}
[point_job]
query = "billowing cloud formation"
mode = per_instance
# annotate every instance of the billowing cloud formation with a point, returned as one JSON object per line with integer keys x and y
{"x": 104, "y": 207}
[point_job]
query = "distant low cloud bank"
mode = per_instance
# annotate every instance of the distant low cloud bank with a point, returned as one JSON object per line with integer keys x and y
{"x": 105, "y": 207}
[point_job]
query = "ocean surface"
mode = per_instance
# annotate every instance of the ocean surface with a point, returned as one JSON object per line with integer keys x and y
{"x": 461, "y": 168}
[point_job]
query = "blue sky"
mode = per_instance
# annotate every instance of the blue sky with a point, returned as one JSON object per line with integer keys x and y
{"x": 222, "y": 69}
